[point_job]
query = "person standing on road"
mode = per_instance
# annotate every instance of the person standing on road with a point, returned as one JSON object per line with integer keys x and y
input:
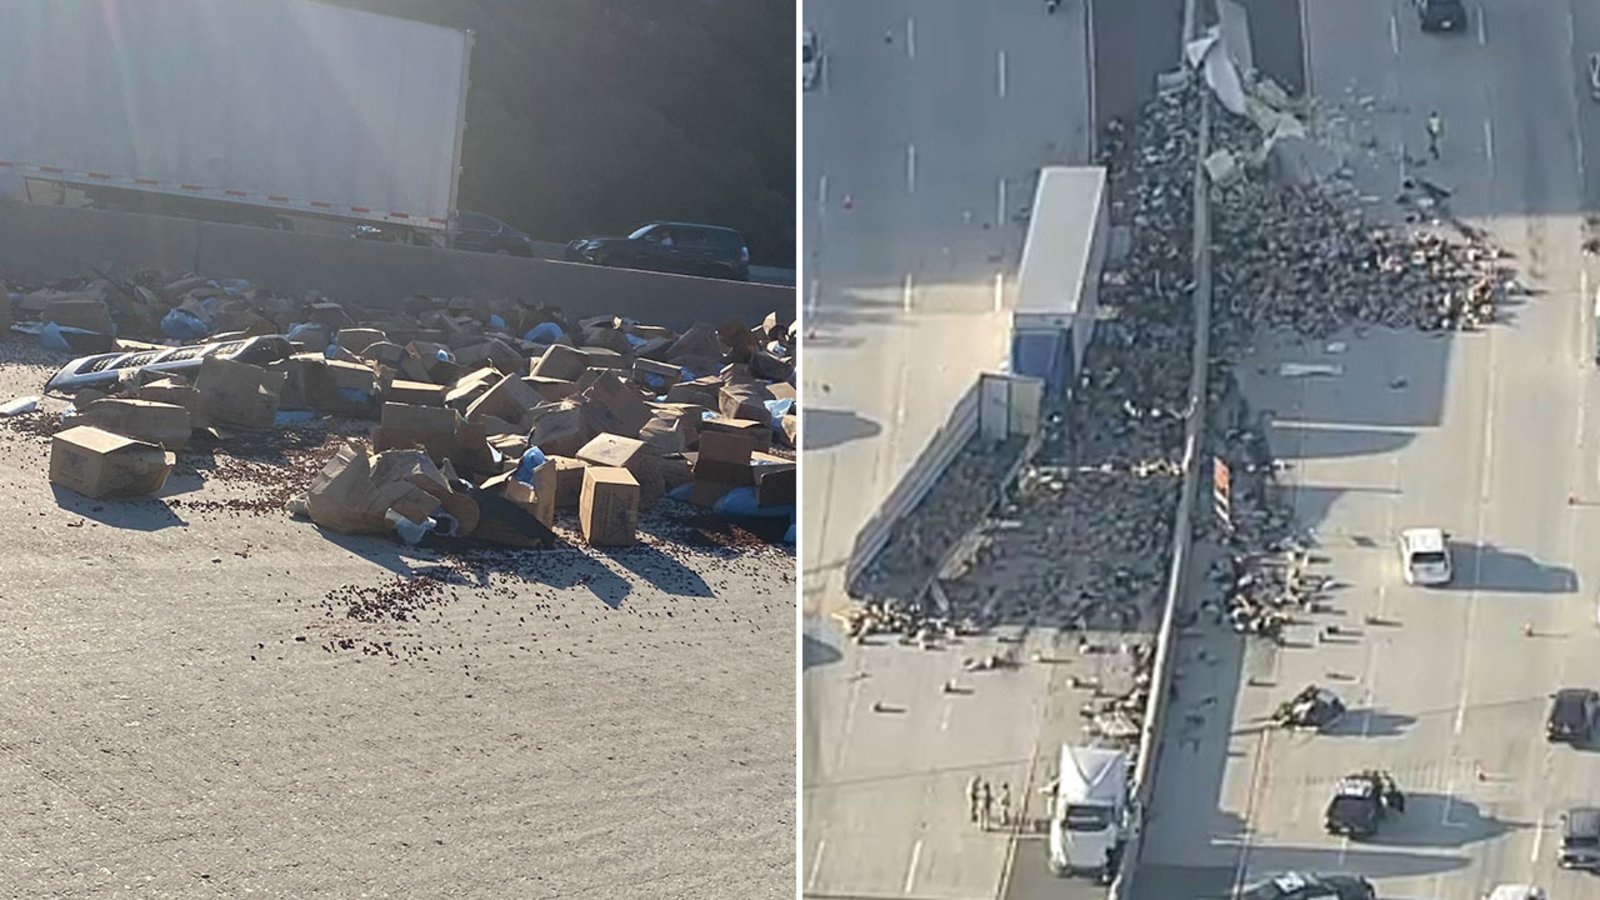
{"x": 1005, "y": 805}
{"x": 1435, "y": 133}
{"x": 973, "y": 796}
{"x": 988, "y": 808}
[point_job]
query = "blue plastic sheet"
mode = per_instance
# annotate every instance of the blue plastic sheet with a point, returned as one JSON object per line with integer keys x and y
{"x": 355, "y": 395}
{"x": 789, "y": 536}
{"x": 183, "y": 325}
{"x": 299, "y": 330}
{"x": 635, "y": 341}
{"x": 496, "y": 322}
{"x": 532, "y": 459}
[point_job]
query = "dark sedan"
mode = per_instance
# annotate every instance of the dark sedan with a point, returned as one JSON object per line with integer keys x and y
{"x": 486, "y": 234}
{"x": 1307, "y": 886}
{"x": 678, "y": 247}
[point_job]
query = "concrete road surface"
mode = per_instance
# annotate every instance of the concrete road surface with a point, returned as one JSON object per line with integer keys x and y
{"x": 1486, "y": 435}
{"x": 889, "y": 816}
{"x": 921, "y": 143}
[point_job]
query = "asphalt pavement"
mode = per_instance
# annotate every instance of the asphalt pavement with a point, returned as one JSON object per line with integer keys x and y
{"x": 1486, "y": 435}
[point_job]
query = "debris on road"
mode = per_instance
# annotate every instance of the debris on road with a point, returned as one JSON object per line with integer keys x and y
{"x": 464, "y": 393}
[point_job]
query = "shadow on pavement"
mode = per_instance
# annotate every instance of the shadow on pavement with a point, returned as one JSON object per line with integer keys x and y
{"x": 657, "y": 569}
{"x": 815, "y": 652}
{"x": 1439, "y": 820}
{"x": 1370, "y": 722}
{"x": 1489, "y": 568}
{"x": 828, "y": 428}
{"x": 136, "y": 514}
{"x": 1270, "y": 861}
{"x": 1301, "y": 441}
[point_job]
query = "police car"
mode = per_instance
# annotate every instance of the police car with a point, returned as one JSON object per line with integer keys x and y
{"x": 1360, "y": 802}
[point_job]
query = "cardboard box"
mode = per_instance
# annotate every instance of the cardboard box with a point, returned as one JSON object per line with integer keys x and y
{"x": 384, "y": 353}
{"x": 775, "y": 485}
{"x": 657, "y": 374}
{"x": 745, "y": 402}
{"x": 701, "y": 392}
{"x": 469, "y": 387}
{"x": 608, "y": 357}
{"x": 608, "y": 510}
{"x": 759, "y": 432}
{"x": 791, "y": 429}
{"x": 616, "y": 451}
{"x": 166, "y": 424}
{"x": 538, "y": 498}
{"x": 238, "y": 395}
{"x": 509, "y": 399}
{"x": 676, "y": 471}
{"x": 665, "y": 434}
{"x": 768, "y": 367}
{"x": 103, "y": 466}
{"x": 782, "y": 390}
{"x": 440, "y": 432}
{"x": 355, "y": 490}
{"x": 414, "y": 393}
{"x": 612, "y": 407}
{"x": 560, "y": 361}
{"x": 556, "y": 428}
{"x": 357, "y": 340}
{"x": 79, "y": 312}
{"x": 701, "y": 340}
{"x": 725, "y": 459}
{"x": 335, "y": 386}
{"x": 492, "y": 352}
{"x": 569, "y": 480}
{"x": 169, "y": 390}
{"x": 551, "y": 389}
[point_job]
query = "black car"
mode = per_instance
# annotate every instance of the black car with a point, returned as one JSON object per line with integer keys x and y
{"x": 1442, "y": 15}
{"x": 678, "y": 247}
{"x": 1572, "y": 715}
{"x": 1306, "y": 886}
{"x": 1360, "y": 802}
{"x": 486, "y": 234}
{"x": 1580, "y": 839}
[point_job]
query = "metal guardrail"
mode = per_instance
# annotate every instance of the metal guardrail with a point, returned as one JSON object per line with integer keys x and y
{"x": 1161, "y": 674}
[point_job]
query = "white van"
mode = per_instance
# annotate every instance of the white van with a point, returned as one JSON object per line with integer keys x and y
{"x": 1425, "y": 556}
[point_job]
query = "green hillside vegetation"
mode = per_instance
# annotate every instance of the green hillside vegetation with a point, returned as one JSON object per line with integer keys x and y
{"x": 593, "y": 116}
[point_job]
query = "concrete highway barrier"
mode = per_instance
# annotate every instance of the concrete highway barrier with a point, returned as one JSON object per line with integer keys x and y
{"x": 47, "y": 242}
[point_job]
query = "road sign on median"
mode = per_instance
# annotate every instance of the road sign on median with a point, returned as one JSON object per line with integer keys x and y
{"x": 1221, "y": 492}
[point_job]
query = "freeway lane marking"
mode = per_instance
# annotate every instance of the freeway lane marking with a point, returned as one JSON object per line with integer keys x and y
{"x": 1538, "y": 837}
{"x": 822, "y": 192}
{"x": 1477, "y": 557}
{"x": 905, "y": 294}
{"x": 999, "y": 290}
{"x": 911, "y": 870}
{"x": 811, "y": 301}
{"x": 816, "y": 865}
{"x": 911, "y": 168}
{"x": 944, "y": 720}
{"x": 1241, "y": 869}
{"x": 1000, "y": 210}
{"x": 911, "y": 38}
{"x": 1488, "y": 142}
{"x": 1002, "y": 74}
{"x": 1394, "y": 34}
{"x": 1483, "y": 28}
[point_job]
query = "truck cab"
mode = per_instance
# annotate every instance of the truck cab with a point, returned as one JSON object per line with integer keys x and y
{"x": 1088, "y": 824}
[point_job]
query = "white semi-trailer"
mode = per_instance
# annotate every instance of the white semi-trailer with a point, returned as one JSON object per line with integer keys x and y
{"x": 269, "y": 107}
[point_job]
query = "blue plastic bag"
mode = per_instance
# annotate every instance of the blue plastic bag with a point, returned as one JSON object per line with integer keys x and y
{"x": 635, "y": 341}
{"x": 182, "y": 325}
{"x": 294, "y": 417}
{"x": 497, "y": 323}
{"x": 779, "y": 409}
{"x": 299, "y": 330}
{"x": 788, "y": 536}
{"x": 743, "y": 502}
{"x": 545, "y": 333}
{"x": 531, "y": 460}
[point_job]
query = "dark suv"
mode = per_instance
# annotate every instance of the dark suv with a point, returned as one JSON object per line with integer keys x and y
{"x": 1580, "y": 839}
{"x": 486, "y": 234}
{"x": 678, "y": 247}
{"x": 1442, "y": 15}
{"x": 1572, "y": 715}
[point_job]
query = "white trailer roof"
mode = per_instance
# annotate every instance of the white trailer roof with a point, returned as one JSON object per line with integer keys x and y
{"x": 1061, "y": 231}
{"x": 1092, "y": 773}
